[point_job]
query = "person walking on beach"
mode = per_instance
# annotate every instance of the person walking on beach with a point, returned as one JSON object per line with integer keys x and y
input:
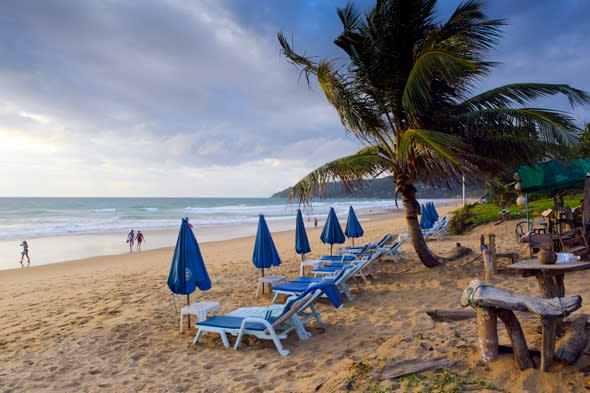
{"x": 131, "y": 240}
{"x": 315, "y": 222}
{"x": 24, "y": 252}
{"x": 139, "y": 237}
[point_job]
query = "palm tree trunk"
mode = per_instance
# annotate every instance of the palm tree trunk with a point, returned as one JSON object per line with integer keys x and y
{"x": 411, "y": 209}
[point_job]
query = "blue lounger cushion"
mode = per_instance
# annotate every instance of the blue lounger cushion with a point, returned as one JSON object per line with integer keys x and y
{"x": 229, "y": 322}
{"x": 327, "y": 269}
{"x": 292, "y": 286}
{"x": 307, "y": 279}
{"x": 338, "y": 258}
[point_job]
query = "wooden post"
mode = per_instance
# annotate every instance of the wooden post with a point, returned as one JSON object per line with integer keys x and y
{"x": 488, "y": 260}
{"x": 487, "y": 326}
{"x": 548, "y": 338}
{"x": 492, "y": 247}
{"x": 522, "y": 355}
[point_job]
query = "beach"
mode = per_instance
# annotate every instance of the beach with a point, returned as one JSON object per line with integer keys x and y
{"x": 110, "y": 323}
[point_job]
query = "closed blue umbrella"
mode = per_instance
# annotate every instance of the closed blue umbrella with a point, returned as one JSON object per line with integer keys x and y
{"x": 433, "y": 212}
{"x": 187, "y": 271}
{"x": 425, "y": 219}
{"x": 353, "y": 226}
{"x": 301, "y": 241}
{"x": 265, "y": 253}
{"x": 332, "y": 232}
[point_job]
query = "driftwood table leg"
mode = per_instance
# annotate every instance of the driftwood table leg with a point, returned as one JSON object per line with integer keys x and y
{"x": 546, "y": 284}
{"x": 559, "y": 286}
{"x": 488, "y": 333}
{"x": 522, "y": 355}
{"x": 548, "y": 349}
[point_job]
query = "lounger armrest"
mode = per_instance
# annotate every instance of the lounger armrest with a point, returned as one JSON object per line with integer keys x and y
{"x": 263, "y": 321}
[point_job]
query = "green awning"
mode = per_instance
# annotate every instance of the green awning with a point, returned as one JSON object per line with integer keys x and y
{"x": 552, "y": 176}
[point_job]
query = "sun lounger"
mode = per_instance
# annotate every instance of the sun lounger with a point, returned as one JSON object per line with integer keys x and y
{"x": 342, "y": 276}
{"x": 271, "y": 326}
{"x": 438, "y": 231}
{"x": 392, "y": 250}
{"x": 385, "y": 240}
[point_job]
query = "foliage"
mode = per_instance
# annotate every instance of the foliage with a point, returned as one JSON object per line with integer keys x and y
{"x": 405, "y": 92}
{"x": 461, "y": 220}
{"x": 504, "y": 194}
{"x": 482, "y": 213}
{"x": 584, "y": 146}
{"x": 363, "y": 378}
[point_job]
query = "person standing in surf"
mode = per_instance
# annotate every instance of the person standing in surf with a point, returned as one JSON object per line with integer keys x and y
{"x": 24, "y": 252}
{"x": 140, "y": 238}
{"x": 131, "y": 240}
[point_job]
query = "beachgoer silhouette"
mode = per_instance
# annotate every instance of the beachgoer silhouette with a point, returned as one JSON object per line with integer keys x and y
{"x": 139, "y": 237}
{"x": 24, "y": 252}
{"x": 131, "y": 240}
{"x": 315, "y": 222}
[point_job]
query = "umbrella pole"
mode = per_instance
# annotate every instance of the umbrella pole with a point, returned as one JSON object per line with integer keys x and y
{"x": 331, "y": 246}
{"x": 188, "y": 302}
{"x": 263, "y": 283}
{"x": 353, "y": 241}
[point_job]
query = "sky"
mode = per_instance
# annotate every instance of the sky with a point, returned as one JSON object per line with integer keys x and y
{"x": 180, "y": 98}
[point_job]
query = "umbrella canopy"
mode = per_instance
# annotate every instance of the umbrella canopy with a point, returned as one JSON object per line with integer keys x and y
{"x": 188, "y": 270}
{"x": 353, "y": 226}
{"x": 426, "y": 221}
{"x": 332, "y": 232}
{"x": 301, "y": 242}
{"x": 265, "y": 253}
{"x": 433, "y": 213}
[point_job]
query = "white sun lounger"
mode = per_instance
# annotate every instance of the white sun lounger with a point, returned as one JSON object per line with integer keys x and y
{"x": 268, "y": 327}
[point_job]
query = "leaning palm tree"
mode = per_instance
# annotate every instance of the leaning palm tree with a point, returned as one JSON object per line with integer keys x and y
{"x": 405, "y": 93}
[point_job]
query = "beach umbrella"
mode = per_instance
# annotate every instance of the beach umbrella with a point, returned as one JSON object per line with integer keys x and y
{"x": 265, "y": 253}
{"x": 425, "y": 219}
{"x": 187, "y": 271}
{"x": 301, "y": 241}
{"x": 332, "y": 232}
{"x": 353, "y": 226}
{"x": 433, "y": 213}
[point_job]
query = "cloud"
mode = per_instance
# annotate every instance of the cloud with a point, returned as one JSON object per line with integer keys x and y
{"x": 194, "y": 98}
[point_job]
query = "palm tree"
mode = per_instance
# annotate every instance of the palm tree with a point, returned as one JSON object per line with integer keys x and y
{"x": 405, "y": 93}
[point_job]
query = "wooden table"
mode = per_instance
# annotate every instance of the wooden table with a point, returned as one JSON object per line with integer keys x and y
{"x": 549, "y": 277}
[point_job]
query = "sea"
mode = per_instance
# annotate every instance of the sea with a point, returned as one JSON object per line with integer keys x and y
{"x": 61, "y": 229}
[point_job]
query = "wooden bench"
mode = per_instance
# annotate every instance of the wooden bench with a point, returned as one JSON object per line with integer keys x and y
{"x": 492, "y": 303}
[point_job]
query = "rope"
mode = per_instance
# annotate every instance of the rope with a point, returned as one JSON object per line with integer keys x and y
{"x": 563, "y": 312}
{"x": 471, "y": 293}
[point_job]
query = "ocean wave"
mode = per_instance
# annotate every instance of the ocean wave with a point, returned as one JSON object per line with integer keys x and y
{"x": 151, "y": 209}
{"x": 106, "y": 210}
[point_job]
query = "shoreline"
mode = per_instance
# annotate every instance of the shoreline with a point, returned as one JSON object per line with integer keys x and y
{"x": 76, "y": 247}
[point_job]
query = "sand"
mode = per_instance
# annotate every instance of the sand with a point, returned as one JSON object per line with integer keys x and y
{"x": 111, "y": 324}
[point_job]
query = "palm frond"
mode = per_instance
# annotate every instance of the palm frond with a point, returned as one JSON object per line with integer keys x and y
{"x": 546, "y": 125}
{"x": 308, "y": 67}
{"x": 351, "y": 170}
{"x": 469, "y": 29}
{"x": 432, "y": 62}
{"x": 521, "y": 94}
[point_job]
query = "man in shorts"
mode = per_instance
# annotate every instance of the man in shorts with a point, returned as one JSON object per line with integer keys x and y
{"x": 24, "y": 252}
{"x": 131, "y": 240}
